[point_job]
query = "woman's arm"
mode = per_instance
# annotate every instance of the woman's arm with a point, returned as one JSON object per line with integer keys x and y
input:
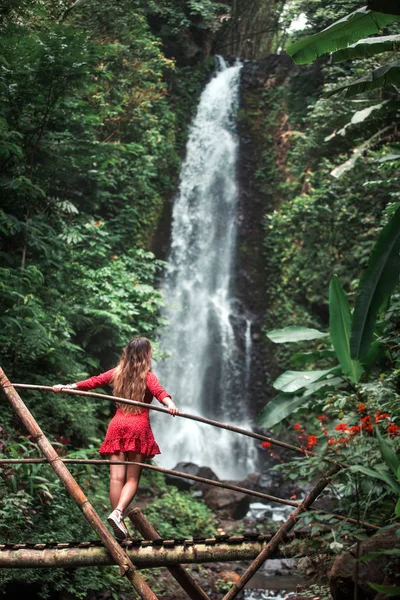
{"x": 87, "y": 384}
{"x": 162, "y": 396}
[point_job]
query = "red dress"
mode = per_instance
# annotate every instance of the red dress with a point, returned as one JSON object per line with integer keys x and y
{"x": 129, "y": 432}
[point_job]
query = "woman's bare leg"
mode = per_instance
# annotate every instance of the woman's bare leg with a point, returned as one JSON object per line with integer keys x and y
{"x": 133, "y": 473}
{"x": 117, "y": 478}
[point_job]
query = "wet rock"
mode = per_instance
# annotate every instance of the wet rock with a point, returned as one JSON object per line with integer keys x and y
{"x": 227, "y": 503}
{"x": 384, "y": 569}
{"x": 189, "y": 484}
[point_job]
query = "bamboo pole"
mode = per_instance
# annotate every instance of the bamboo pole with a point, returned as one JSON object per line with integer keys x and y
{"x": 143, "y": 557}
{"x": 224, "y": 485}
{"x": 245, "y": 432}
{"x": 120, "y": 557}
{"x": 278, "y": 538}
{"x": 186, "y": 581}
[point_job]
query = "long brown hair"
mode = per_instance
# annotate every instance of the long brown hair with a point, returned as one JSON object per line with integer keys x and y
{"x": 129, "y": 380}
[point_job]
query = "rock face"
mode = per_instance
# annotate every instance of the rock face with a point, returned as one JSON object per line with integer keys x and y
{"x": 383, "y": 569}
{"x": 257, "y": 197}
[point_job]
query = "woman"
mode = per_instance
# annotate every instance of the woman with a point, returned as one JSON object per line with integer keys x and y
{"x": 129, "y": 436}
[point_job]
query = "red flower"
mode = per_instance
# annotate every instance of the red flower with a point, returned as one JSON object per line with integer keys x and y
{"x": 297, "y": 427}
{"x": 266, "y": 445}
{"x": 366, "y": 424}
{"x": 342, "y": 427}
{"x": 312, "y": 441}
{"x": 379, "y": 417}
{"x": 393, "y": 430}
{"x": 322, "y": 418}
{"x": 325, "y": 431}
{"x": 331, "y": 441}
{"x": 362, "y": 407}
{"x": 354, "y": 429}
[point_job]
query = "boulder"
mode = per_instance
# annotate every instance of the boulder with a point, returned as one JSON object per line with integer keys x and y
{"x": 227, "y": 503}
{"x": 189, "y": 484}
{"x": 383, "y": 569}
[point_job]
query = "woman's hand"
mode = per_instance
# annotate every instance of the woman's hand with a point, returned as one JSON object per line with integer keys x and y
{"x": 58, "y": 388}
{"x": 170, "y": 404}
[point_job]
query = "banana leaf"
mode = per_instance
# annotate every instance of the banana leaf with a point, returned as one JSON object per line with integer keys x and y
{"x": 284, "y": 405}
{"x": 340, "y": 327}
{"x": 294, "y": 334}
{"x": 376, "y": 284}
{"x": 292, "y": 381}
{"x": 388, "y": 74}
{"x": 342, "y": 33}
{"x": 278, "y": 409}
{"x": 368, "y": 47}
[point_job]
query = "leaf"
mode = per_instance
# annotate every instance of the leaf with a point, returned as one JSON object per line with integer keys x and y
{"x": 388, "y": 74}
{"x": 285, "y": 404}
{"x": 357, "y": 153}
{"x": 294, "y": 334}
{"x": 291, "y": 381}
{"x": 389, "y": 157}
{"x": 388, "y": 590}
{"x": 340, "y": 327}
{"x": 368, "y": 47}
{"x": 340, "y": 34}
{"x": 375, "y": 350}
{"x": 391, "y": 7}
{"x": 376, "y": 475}
{"x": 376, "y": 285}
{"x": 397, "y": 509}
{"x": 278, "y": 409}
{"x": 358, "y": 117}
{"x": 302, "y": 358}
{"x": 388, "y": 454}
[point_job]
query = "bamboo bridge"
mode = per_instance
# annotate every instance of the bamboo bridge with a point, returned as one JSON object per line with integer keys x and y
{"x": 132, "y": 555}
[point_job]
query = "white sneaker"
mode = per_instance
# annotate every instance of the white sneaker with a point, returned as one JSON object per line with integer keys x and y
{"x": 116, "y": 521}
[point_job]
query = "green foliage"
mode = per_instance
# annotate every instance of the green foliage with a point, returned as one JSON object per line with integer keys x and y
{"x": 386, "y": 75}
{"x": 377, "y": 283}
{"x": 177, "y": 514}
{"x": 93, "y": 117}
{"x": 347, "y": 30}
{"x": 339, "y": 330}
{"x": 368, "y": 47}
{"x": 294, "y": 334}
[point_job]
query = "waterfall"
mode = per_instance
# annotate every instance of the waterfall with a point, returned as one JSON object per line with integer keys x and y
{"x": 207, "y": 337}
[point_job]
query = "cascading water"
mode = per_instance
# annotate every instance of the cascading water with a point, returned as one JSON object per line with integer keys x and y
{"x": 208, "y": 338}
